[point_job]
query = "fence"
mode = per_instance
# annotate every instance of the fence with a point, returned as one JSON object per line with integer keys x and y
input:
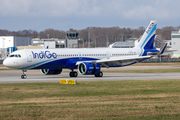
{"x": 158, "y": 60}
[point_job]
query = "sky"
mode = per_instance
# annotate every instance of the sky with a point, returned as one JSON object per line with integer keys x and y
{"x": 63, "y": 15}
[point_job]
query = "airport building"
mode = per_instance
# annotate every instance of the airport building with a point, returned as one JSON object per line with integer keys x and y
{"x": 70, "y": 41}
{"x": 50, "y": 43}
{"x": 129, "y": 43}
{"x": 122, "y": 45}
{"x": 175, "y": 37}
{"x": 12, "y": 41}
{"x": 132, "y": 42}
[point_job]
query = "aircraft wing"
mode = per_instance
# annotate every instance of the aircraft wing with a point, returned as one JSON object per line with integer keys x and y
{"x": 120, "y": 61}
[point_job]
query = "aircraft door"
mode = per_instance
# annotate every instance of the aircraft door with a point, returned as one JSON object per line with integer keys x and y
{"x": 80, "y": 55}
{"x": 108, "y": 54}
{"x": 29, "y": 56}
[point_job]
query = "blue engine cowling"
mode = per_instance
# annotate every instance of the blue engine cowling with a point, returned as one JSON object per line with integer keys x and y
{"x": 89, "y": 68}
{"x": 51, "y": 71}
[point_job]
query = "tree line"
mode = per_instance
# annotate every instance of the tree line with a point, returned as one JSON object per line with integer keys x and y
{"x": 97, "y": 35}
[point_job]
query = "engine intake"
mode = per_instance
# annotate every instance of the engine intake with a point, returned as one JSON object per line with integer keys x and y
{"x": 89, "y": 68}
{"x": 51, "y": 71}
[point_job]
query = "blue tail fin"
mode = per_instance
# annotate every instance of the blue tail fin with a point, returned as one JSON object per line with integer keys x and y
{"x": 147, "y": 40}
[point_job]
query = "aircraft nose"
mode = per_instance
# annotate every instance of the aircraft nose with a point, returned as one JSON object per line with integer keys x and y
{"x": 5, "y": 63}
{"x": 11, "y": 63}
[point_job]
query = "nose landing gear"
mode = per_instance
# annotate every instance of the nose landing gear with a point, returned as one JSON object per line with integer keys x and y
{"x": 23, "y": 76}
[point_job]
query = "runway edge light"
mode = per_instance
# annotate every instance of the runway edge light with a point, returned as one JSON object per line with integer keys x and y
{"x": 66, "y": 81}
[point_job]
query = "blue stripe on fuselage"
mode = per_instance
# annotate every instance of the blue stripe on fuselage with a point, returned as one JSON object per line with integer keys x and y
{"x": 56, "y": 63}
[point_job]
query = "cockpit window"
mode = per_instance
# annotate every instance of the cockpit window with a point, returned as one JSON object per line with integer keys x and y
{"x": 11, "y": 56}
{"x": 17, "y": 55}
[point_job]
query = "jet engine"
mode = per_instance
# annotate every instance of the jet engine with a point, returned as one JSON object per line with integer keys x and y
{"x": 51, "y": 71}
{"x": 89, "y": 68}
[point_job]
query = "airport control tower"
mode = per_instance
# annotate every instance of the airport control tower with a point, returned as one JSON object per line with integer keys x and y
{"x": 72, "y": 39}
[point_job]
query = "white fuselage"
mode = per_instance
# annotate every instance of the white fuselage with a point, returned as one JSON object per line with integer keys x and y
{"x": 32, "y": 58}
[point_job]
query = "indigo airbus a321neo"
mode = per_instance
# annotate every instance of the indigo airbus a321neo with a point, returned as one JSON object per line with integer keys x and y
{"x": 88, "y": 61}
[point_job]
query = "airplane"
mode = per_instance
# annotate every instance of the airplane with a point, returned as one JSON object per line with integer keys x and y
{"x": 88, "y": 61}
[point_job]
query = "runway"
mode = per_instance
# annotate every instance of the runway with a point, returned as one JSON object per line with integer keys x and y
{"x": 13, "y": 76}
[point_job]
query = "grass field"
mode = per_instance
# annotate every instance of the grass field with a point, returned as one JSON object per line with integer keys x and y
{"x": 129, "y": 100}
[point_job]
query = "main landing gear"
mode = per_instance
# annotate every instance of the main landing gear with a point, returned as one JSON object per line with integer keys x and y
{"x": 100, "y": 74}
{"x": 23, "y": 76}
{"x": 73, "y": 74}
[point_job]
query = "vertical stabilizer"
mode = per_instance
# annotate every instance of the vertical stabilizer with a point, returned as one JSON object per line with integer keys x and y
{"x": 147, "y": 40}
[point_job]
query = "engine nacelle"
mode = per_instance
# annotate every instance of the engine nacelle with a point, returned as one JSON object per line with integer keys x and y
{"x": 89, "y": 68}
{"x": 51, "y": 71}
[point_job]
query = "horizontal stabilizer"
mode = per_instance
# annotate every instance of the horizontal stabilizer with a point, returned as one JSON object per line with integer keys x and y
{"x": 163, "y": 48}
{"x": 171, "y": 50}
{"x": 152, "y": 53}
{"x": 158, "y": 53}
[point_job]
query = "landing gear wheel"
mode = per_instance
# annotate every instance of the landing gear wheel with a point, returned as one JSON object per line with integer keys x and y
{"x": 96, "y": 75}
{"x": 23, "y": 76}
{"x": 100, "y": 74}
{"x": 73, "y": 74}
